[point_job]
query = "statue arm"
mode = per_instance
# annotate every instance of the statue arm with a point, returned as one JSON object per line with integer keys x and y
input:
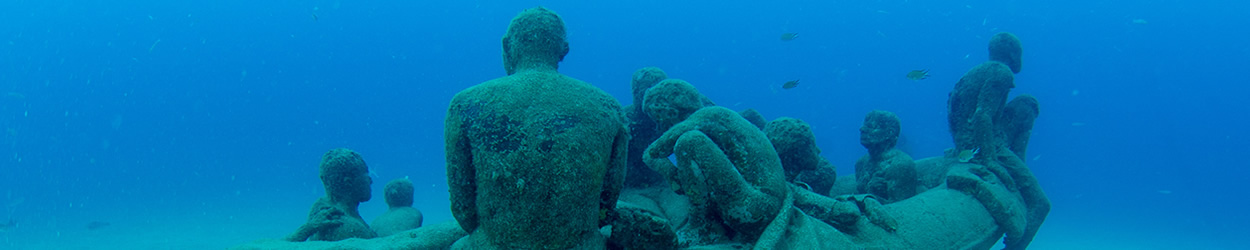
{"x": 656, "y": 156}
{"x": 322, "y": 217}
{"x": 614, "y": 179}
{"x": 461, "y": 175}
{"x": 743, "y": 205}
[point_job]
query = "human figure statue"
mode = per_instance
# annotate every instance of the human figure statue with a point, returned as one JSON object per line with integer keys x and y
{"x": 336, "y": 216}
{"x": 730, "y": 172}
{"x": 796, "y": 146}
{"x": 642, "y": 129}
{"x": 401, "y": 216}
{"x": 886, "y": 172}
{"x": 535, "y": 159}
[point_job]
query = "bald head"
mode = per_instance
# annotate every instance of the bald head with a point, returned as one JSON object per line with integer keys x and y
{"x": 535, "y": 40}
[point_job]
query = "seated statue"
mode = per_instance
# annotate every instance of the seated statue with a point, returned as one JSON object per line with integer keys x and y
{"x": 535, "y": 159}
{"x": 401, "y": 216}
{"x": 336, "y": 216}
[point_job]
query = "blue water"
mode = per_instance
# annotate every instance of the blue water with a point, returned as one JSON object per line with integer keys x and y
{"x": 200, "y": 125}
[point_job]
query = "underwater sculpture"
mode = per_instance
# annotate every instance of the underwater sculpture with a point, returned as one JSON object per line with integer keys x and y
{"x": 535, "y": 159}
{"x": 1017, "y": 123}
{"x": 551, "y": 178}
{"x": 336, "y": 216}
{"x": 886, "y": 172}
{"x": 738, "y": 197}
{"x": 754, "y": 117}
{"x": 796, "y": 146}
{"x": 670, "y": 101}
{"x": 1005, "y": 48}
{"x": 642, "y": 130}
{"x": 996, "y": 133}
{"x": 728, "y": 169}
{"x": 401, "y": 216}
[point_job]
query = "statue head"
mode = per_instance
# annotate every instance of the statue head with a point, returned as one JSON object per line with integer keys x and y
{"x": 345, "y": 176}
{"x": 535, "y": 40}
{"x": 672, "y": 101}
{"x": 643, "y": 80}
{"x": 399, "y": 193}
{"x": 880, "y": 131}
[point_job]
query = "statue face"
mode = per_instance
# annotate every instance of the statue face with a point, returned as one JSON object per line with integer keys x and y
{"x": 866, "y": 135}
{"x": 875, "y": 135}
{"x": 363, "y": 187}
{"x": 351, "y": 187}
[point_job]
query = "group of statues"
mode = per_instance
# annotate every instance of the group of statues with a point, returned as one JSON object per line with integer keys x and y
{"x": 337, "y": 217}
{"x": 540, "y": 160}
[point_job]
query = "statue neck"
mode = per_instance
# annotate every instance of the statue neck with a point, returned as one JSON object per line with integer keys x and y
{"x": 533, "y": 65}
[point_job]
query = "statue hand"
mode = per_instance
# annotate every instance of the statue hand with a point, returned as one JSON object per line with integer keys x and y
{"x": 325, "y": 218}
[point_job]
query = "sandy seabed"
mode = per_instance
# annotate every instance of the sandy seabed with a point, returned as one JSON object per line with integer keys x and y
{"x": 235, "y": 224}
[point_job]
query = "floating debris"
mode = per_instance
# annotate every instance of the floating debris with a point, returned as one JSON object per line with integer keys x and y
{"x": 786, "y": 37}
{"x": 150, "y": 48}
{"x": 790, "y": 84}
{"x": 916, "y": 75}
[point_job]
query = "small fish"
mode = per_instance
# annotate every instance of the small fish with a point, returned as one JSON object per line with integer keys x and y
{"x": 968, "y": 154}
{"x": 803, "y": 185}
{"x": 97, "y": 225}
{"x": 786, "y": 37}
{"x": 1140, "y": 21}
{"x": 314, "y": 15}
{"x": 916, "y": 75}
{"x": 790, "y": 84}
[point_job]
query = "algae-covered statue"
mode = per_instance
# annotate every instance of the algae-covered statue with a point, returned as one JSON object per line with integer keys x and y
{"x": 729, "y": 171}
{"x": 642, "y": 129}
{"x": 671, "y": 101}
{"x": 400, "y": 216}
{"x": 535, "y": 159}
{"x": 980, "y": 119}
{"x": 336, "y": 216}
{"x": 739, "y": 198}
{"x": 886, "y": 172}
{"x": 796, "y": 146}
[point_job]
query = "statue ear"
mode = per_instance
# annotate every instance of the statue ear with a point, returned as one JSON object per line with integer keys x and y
{"x": 505, "y": 45}
{"x": 508, "y": 63}
{"x": 564, "y": 50}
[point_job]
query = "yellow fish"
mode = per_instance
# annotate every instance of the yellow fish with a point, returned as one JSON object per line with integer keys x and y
{"x": 916, "y": 75}
{"x": 790, "y": 84}
{"x": 786, "y": 37}
{"x": 968, "y": 154}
